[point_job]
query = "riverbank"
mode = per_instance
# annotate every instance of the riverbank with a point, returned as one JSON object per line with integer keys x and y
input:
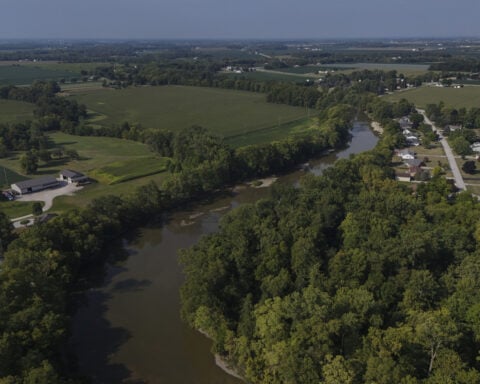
{"x": 223, "y": 364}
{"x": 376, "y": 127}
{"x": 138, "y": 306}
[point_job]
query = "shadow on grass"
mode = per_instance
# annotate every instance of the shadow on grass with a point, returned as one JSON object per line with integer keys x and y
{"x": 65, "y": 143}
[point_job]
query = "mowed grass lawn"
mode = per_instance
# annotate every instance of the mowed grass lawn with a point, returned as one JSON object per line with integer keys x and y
{"x": 15, "y": 111}
{"x": 226, "y": 113}
{"x": 116, "y": 159}
{"x": 105, "y": 159}
{"x": 118, "y": 166}
{"x": 468, "y": 96}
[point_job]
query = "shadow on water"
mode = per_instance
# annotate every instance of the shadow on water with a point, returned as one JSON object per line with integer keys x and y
{"x": 93, "y": 336}
{"x": 131, "y": 285}
{"x": 98, "y": 341}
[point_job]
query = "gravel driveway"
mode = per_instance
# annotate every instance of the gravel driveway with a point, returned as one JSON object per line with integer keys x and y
{"x": 48, "y": 195}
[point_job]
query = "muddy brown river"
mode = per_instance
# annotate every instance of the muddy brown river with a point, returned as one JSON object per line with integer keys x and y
{"x": 130, "y": 331}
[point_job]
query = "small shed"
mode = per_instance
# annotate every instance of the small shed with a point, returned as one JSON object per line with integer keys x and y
{"x": 35, "y": 185}
{"x": 72, "y": 176}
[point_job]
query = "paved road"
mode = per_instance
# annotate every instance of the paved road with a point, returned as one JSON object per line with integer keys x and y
{"x": 457, "y": 175}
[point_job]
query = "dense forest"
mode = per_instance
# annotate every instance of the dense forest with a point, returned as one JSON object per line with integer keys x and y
{"x": 352, "y": 278}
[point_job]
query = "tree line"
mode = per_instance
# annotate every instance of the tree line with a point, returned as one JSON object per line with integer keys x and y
{"x": 352, "y": 278}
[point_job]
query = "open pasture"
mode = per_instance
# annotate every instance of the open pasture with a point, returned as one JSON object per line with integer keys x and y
{"x": 468, "y": 96}
{"x": 224, "y": 112}
{"x": 406, "y": 69}
{"x": 24, "y": 73}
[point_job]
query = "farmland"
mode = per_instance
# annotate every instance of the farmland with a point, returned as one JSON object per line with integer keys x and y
{"x": 15, "y": 111}
{"x": 26, "y": 72}
{"x": 265, "y": 75}
{"x": 406, "y": 69}
{"x": 226, "y": 113}
{"x": 468, "y": 96}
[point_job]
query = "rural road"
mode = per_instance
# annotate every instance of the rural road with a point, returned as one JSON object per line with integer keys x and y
{"x": 457, "y": 175}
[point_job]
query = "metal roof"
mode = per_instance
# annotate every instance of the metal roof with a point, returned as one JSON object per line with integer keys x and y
{"x": 41, "y": 181}
{"x": 71, "y": 174}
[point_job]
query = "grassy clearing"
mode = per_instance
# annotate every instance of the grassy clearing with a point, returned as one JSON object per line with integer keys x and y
{"x": 224, "y": 112}
{"x": 121, "y": 171}
{"x": 278, "y": 132}
{"x": 70, "y": 88}
{"x": 9, "y": 171}
{"x": 16, "y": 208}
{"x": 406, "y": 69}
{"x": 272, "y": 76}
{"x": 15, "y": 111}
{"x": 97, "y": 152}
{"x": 96, "y": 190}
{"x": 468, "y": 96}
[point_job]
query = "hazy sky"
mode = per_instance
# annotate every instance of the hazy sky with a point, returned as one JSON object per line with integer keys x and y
{"x": 238, "y": 18}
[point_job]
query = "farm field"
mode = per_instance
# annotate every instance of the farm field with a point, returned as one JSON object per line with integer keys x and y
{"x": 225, "y": 113}
{"x": 15, "y": 111}
{"x": 266, "y": 75}
{"x": 270, "y": 134}
{"x": 26, "y": 72}
{"x": 406, "y": 69}
{"x": 468, "y": 96}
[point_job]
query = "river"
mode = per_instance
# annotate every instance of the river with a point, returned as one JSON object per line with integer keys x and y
{"x": 130, "y": 331}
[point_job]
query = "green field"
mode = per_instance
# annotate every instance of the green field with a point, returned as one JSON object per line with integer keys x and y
{"x": 129, "y": 158}
{"x": 406, "y": 69}
{"x": 15, "y": 111}
{"x": 468, "y": 96}
{"x": 226, "y": 113}
{"x": 118, "y": 166}
{"x": 272, "y": 76}
{"x": 16, "y": 208}
{"x": 26, "y": 72}
{"x": 121, "y": 171}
